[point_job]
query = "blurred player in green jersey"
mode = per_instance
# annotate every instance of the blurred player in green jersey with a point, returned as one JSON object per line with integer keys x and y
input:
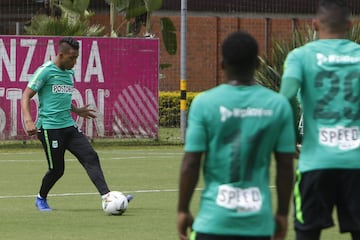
{"x": 232, "y": 131}
{"x": 328, "y": 73}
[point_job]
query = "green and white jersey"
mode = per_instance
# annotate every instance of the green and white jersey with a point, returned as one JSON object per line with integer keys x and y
{"x": 328, "y": 72}
{"x": 54, "y": 88}
{"x": 238, "y": 127}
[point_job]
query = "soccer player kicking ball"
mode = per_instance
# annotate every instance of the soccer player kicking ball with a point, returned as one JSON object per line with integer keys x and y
{"x": 55, "y": 128}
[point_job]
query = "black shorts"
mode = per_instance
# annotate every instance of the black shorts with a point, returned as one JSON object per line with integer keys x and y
{"x": 316, "y": 194}
{"x": 203, "y": 236}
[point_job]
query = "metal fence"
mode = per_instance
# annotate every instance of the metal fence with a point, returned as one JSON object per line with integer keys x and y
{"x": 208, "y": 23}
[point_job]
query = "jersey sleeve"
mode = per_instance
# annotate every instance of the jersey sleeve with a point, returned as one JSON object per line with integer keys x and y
{"x": 286, "y": 141}
{"x": 195, "y": 140}
{"x": 38, "y": 79}
{"x": 292, "y": 75}
{"x": 293, "y": 65}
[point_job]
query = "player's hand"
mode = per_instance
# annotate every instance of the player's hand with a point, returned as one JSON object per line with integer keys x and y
{"x": 30, "y": 127}
{"x": 184, "y": 223}
{"x": 85, "y": 111}
{"x": 281, "y": 222}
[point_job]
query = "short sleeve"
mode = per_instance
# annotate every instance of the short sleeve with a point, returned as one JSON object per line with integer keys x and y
{"x": 196, "y": 137}
{"x": 38, "y": 79}
{"x": 293, "y": 65}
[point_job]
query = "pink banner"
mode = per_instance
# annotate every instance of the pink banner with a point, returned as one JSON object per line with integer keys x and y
{"x": 117, "y": 76}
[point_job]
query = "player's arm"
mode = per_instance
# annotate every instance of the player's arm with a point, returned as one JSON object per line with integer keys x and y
{"x": 25, "y": 107}
{"x": 290, "y": 82}
{"x": 195, "y": 146}
{"x": 37, "y": 81}
{"x": 189, "y": 176}
{"x": 289, "y": 88}
{"x": 284, "y": 152}
{"x": 284, "y": 184}
{"x": 292, "y": 74}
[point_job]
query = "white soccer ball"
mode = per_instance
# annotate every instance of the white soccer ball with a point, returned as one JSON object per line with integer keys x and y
{"x": 114, "y": 203}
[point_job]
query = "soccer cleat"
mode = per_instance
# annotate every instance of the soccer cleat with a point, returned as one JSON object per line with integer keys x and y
{"x": 42, "y": 205}
{"x": 129, "y": 197}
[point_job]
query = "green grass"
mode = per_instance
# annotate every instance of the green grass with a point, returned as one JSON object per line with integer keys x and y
{"x": 150, "y": 173}
{"x": 166, "y": 136}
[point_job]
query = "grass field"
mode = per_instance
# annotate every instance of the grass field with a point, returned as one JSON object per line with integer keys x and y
{"x": 150, "y": 173}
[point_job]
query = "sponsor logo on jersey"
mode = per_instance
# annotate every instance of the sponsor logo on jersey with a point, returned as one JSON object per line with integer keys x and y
{"x": 243, "y": 112}
{"x": 336, "y": 59}
{"x": 345, "y": 138}
{"x": 241, "y": 199}
{"x": 68, "y": 89}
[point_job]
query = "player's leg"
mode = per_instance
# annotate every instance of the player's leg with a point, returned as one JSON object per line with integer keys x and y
{"x": 348, "y": 207}
{"x": 308, "y": 235}
{"x": 52, "y": 142}
{"x": 314, "y": 200}
{"x": 355, "y": 235}
{"x": 79, "y": 145}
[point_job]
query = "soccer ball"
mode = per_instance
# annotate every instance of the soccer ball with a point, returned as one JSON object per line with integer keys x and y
{"x": 114, "y": 203}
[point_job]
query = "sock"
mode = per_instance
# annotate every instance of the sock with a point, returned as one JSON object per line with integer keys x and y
{"x": 104, "y": 196}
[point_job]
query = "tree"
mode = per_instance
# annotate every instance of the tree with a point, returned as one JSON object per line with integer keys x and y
{"x": 137, "y": 14}
{"x": 67, "y": 18}
{"x": 271, "y": 68}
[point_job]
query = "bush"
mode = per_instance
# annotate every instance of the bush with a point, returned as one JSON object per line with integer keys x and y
{"x": 169, "y": 107}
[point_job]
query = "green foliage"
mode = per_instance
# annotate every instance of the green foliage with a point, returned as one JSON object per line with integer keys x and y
{"x": 137, "y": 13}
{"x": 354, "y": 33}
{"x": 169, "y": 108}
{"x": 271, "y": 68}
{"x": 74, "y": 21}
{"x": 77, "y": 6}
{"x": 168, "y": 31}
{"x": 134, "y": 8}
{"x": 51, "y": 26}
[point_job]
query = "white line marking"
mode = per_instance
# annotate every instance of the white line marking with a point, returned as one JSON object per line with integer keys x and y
{"x": 67, "y": 159}
{"x": 105, "y": 152}
{"x": 96, "y": 193}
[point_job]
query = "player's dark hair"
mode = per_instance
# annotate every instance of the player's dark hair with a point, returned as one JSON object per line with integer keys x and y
{"x": 334, "y": 14}
{"x": 240, "y": 53}
{"x": 66, "y": 42}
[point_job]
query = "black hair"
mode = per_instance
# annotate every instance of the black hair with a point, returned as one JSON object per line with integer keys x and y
{"x": 240, "y": 53}
{"x": 339, "y": 3}
{"x": 334, "y": 14}
{"x": 69, "y": 41}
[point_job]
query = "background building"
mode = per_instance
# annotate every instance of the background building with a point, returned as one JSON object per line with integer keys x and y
{"x": 209, "y": 22}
